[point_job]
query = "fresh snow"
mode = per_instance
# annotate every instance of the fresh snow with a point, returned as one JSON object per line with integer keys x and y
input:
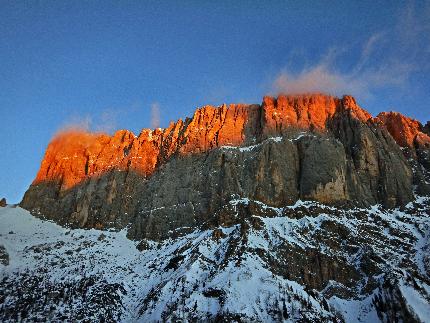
{"x": 416, "y": 301}
{"x": 195, "y": 273}
{"x": 277, "y": 139}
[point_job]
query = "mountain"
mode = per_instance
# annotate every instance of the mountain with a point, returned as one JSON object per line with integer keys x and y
{"x": 312, "y": 147}
{"x": 302, "y": 208}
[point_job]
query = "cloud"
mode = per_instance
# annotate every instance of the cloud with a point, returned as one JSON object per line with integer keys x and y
{"x": 107, "y": 121}
{"x": 387, "y": 59}
{"x": 370, "y": 46}
{"x": 318, "y": 78}
{"x": 77, "y": 123}
{"x": 104, "y": 122}
{"x": 155, "y": 115}
{"x": 325, "y": 78}
{"x": 361, "y": 80}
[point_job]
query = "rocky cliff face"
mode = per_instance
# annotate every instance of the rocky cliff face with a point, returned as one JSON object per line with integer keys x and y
{"x": 304, "y": 208}
{"x": 310, "y": 147}
{"x": 414, "y": 139}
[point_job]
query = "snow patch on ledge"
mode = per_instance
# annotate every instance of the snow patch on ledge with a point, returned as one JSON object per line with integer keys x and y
{"x": 274, "y": 139}
{"x": 252, "y": 147}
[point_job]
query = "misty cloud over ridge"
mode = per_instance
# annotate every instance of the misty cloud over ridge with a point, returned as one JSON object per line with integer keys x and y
{"x": 387, "y": 59}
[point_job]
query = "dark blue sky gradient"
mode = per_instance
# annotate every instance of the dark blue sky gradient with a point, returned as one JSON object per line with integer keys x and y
{"x": 65, "y": 62}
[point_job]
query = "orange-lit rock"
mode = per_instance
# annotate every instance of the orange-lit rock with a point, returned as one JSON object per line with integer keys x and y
{"x": 304, "y": 111}
{"x": 69, "y": 157}
{"x": 406, "y": 131}
{"x": 75, "y": 155}
{"x": 301, "y": 147}
{"x": 310, "y": 111}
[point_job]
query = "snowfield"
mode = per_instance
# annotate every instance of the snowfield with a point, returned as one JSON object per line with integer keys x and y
{"x": 52, "y": 273}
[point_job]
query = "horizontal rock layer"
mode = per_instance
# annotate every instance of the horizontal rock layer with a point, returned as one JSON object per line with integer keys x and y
{"x": 313, "y": 147}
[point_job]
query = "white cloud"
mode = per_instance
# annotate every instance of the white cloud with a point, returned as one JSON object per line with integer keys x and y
{"x": 155, "y": 115}
{"x": 361, "y": 80}
{"x": 77, "y": 123}
{"x": 107, "y": 121}
{"x": 318, "y": 78}
{"x": 387, "y": 59}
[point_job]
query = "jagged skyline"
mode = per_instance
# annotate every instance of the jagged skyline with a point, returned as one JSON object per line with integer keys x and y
{"x": 303, "y": 207}
{"x": 106, "y": 67}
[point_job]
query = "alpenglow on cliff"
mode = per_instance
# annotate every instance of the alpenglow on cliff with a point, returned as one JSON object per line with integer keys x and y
{"x": 302, "y": 208}
{"x": 312, "y": 147}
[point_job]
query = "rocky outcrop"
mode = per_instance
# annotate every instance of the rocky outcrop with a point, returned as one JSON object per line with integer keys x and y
{"x": 4, "y": 256}
{"x": 308, "y": 262}
{"x": 311, "y": 112}
{"x": 167, "y": 181}
{"x": 407, "y": 132}
{"x": 3, "y": 202}
{"x": 75, "y": 155}
{"x": 427, "y": 128}
{"x": 414, "y": 139}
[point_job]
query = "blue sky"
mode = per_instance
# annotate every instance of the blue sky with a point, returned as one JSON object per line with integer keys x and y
{"x": 115, "y": 65}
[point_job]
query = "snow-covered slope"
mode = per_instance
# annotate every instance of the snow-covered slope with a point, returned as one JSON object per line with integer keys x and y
{"x": 306, "y": 262}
